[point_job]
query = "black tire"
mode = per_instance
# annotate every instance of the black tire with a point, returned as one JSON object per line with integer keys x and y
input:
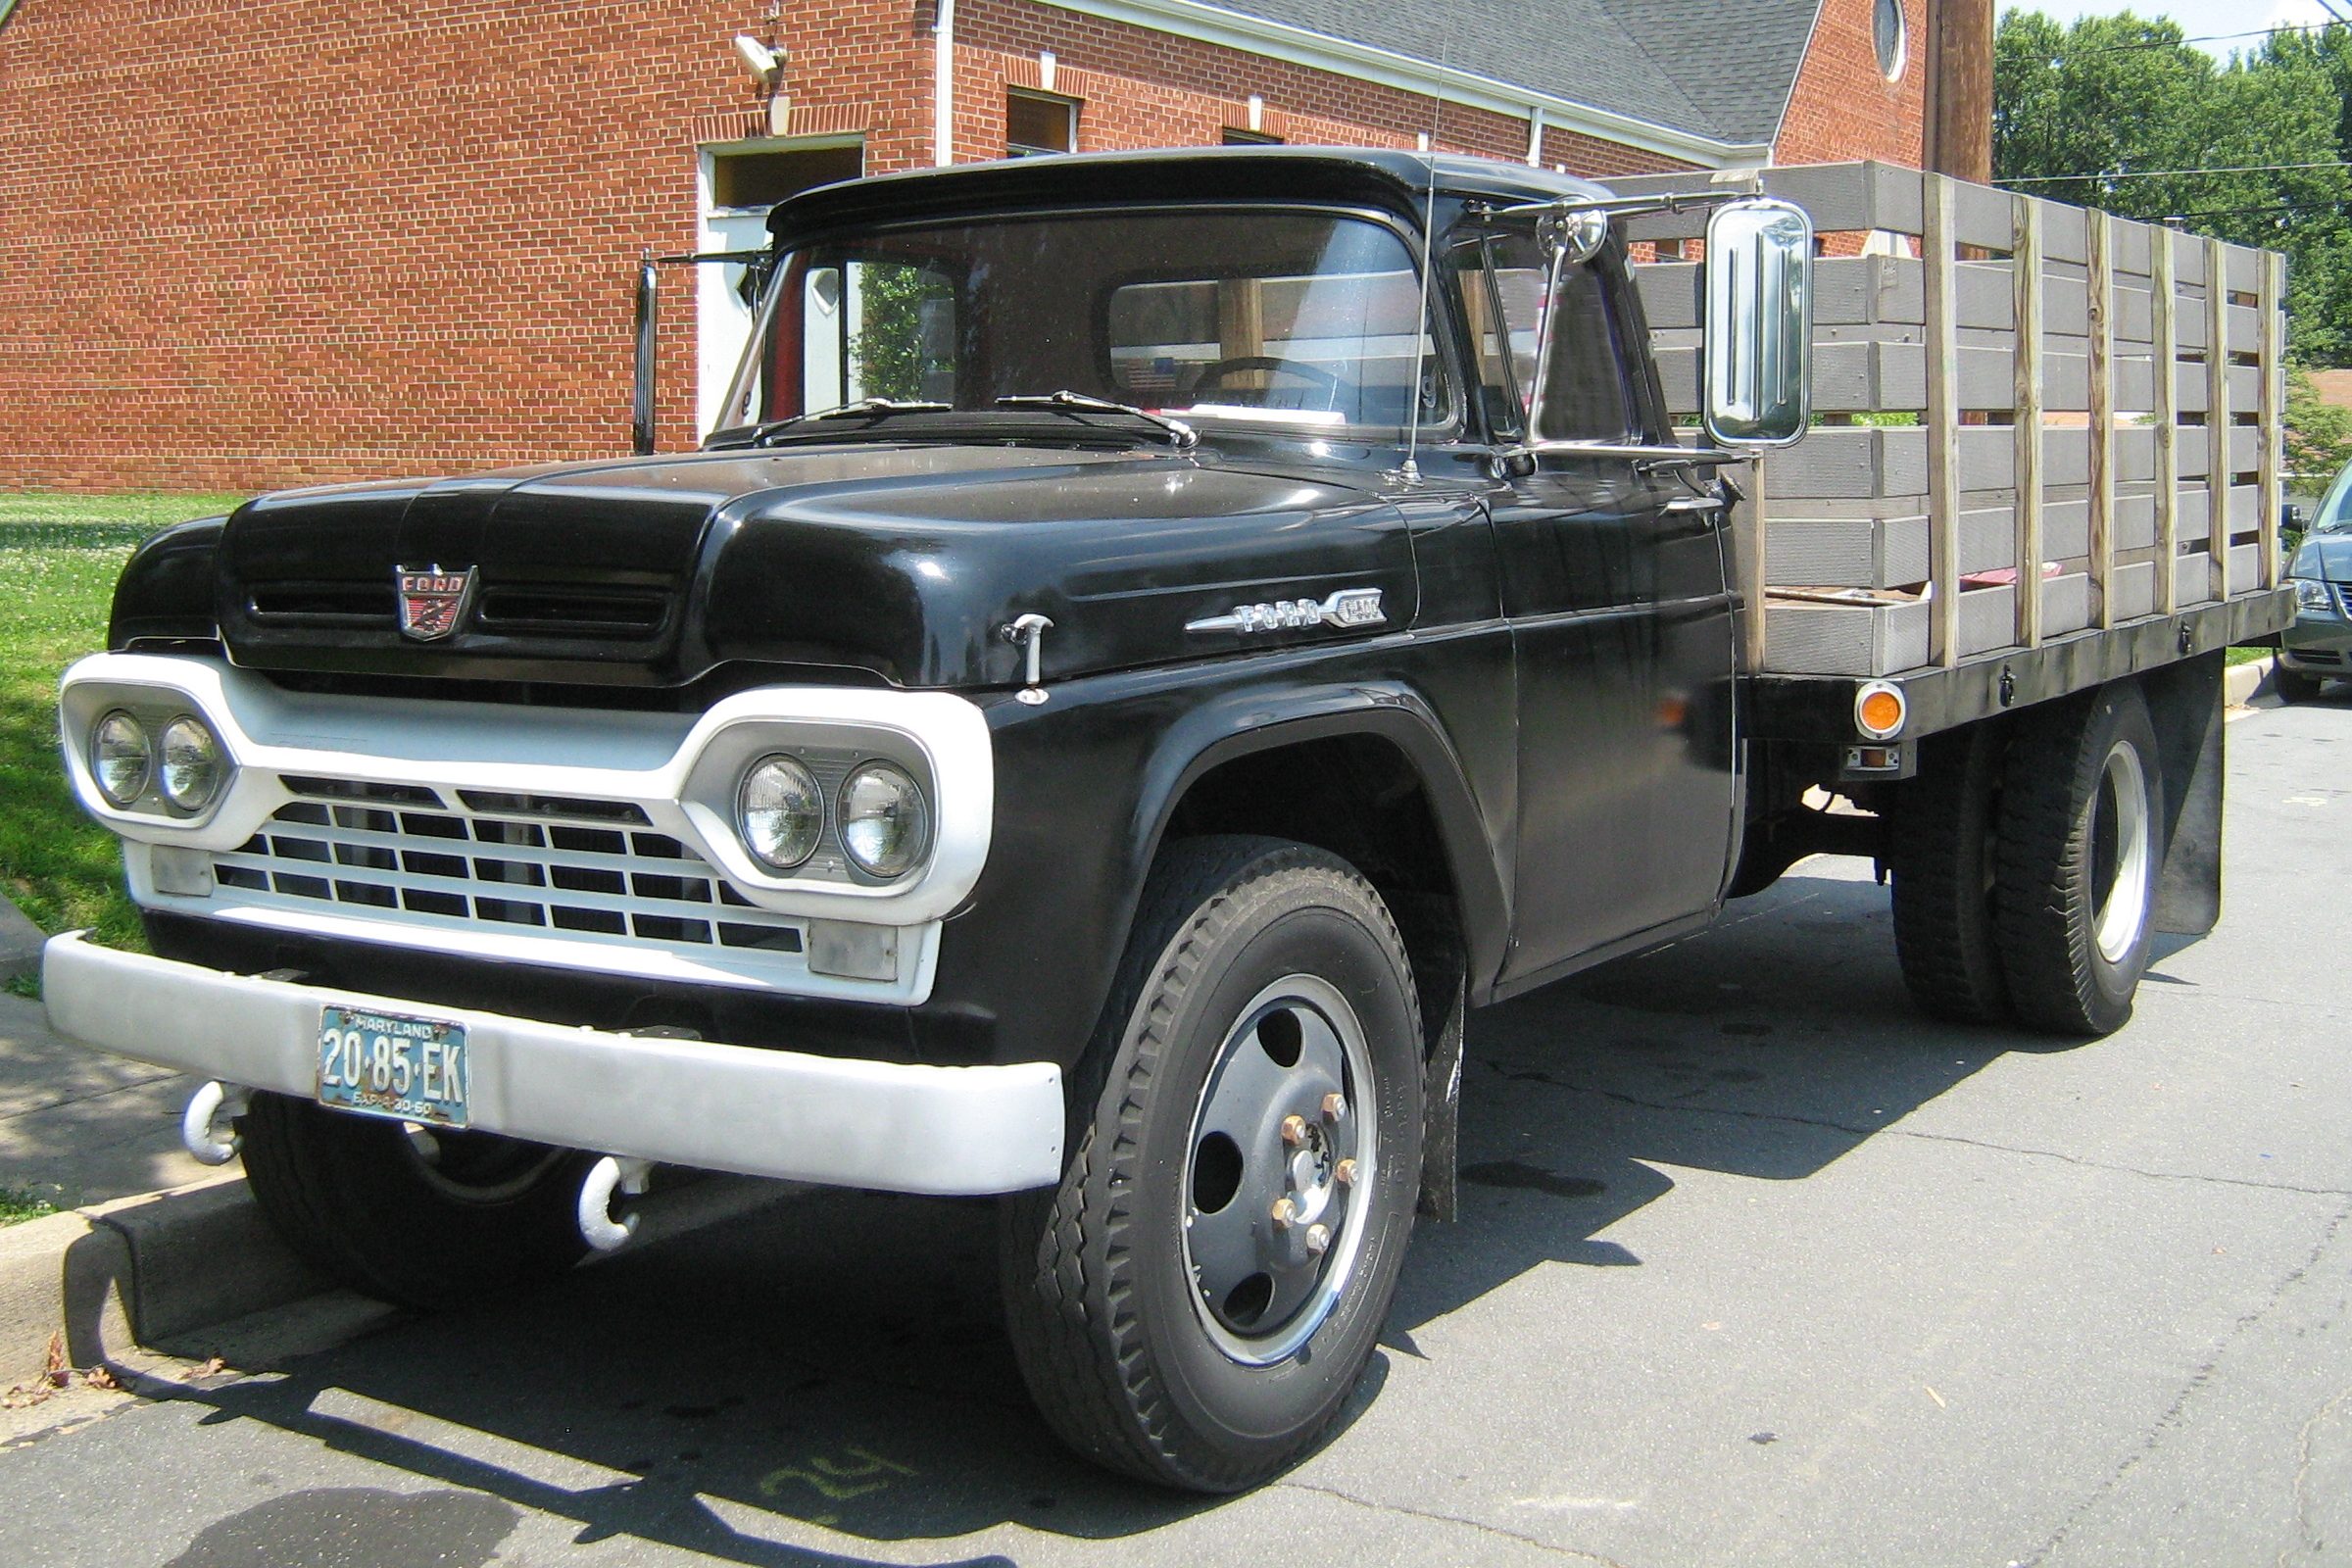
{"x": 370, "y": 1205}
{"x": 2081, "y": 850}
{"x": 2293, "y": 686}
{"x": 1942, "y": 847}
{"x": 1128, "y": 1354}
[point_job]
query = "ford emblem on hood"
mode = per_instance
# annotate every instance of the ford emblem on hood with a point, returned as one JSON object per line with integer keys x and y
{"x": 432, "y": 602}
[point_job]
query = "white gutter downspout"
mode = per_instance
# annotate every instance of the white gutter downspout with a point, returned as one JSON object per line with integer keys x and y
{"x": 943, "y": 85}
{"x": 1535, "y": 136}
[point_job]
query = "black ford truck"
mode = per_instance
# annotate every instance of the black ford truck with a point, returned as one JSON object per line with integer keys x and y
{"x": 1156, "y": 638}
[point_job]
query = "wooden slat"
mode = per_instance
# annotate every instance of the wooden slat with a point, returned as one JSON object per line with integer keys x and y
{"x": 2025, "y": 251}
{"x": 1942, "y": 420}
{"x": 2273, "y": 407}
{"x": 2217, "y": 414}
{"x": 2165, "y": 412}
{"x": 2102, "y": 418}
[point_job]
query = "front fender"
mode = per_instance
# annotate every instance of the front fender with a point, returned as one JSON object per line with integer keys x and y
{"x": 1088, "y": 781}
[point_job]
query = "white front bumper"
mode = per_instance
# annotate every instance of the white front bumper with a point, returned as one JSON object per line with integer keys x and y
{"x": 851, "y": 1123}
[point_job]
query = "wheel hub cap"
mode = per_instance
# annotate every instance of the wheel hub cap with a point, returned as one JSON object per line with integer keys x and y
{"x": 1279, "y": 1163}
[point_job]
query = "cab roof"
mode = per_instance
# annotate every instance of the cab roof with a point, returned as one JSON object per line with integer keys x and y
{"x": 1387, "y": 178}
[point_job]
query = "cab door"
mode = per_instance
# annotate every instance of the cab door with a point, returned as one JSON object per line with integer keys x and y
{"x": 1614, "y": 582}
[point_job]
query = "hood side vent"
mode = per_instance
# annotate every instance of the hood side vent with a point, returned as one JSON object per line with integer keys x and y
{"x": 548, "y": 609}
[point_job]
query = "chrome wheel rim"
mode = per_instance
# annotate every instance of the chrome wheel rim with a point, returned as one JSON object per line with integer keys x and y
{"x": 2122, "y": 854}
{"x": 1281, "y": 1158}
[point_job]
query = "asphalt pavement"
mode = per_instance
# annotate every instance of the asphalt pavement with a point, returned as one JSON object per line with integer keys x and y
{"x": 1755, "y": 1266}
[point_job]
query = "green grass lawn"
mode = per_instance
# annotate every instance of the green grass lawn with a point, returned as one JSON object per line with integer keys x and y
{"x": 58, "y": 557}
{"x": 22, "y": 1203}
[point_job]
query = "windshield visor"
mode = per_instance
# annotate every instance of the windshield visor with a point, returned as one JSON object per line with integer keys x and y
{"x": 1302, "y": 321}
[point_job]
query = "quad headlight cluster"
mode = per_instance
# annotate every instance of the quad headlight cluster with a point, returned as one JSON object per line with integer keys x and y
{"x": 182, "y": 760}
{"x": 879, "y": 814}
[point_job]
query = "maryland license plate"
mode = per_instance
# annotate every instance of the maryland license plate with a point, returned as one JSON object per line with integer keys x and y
{"x": 390, "y": 1064}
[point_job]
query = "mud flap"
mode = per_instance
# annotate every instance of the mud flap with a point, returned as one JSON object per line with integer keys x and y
{"x": 1442, "y": 1107}
{"x": 2185, "y": 702}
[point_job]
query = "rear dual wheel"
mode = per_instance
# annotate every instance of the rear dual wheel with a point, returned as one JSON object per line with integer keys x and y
{"x": 2026, "y": 859}
{"x": 1194, "y": 1300}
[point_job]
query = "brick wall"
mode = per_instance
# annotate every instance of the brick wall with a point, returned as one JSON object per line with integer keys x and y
{"x": 1844, "y": 106}
{"x": 275, "y": 242}
{"x": 257, "y": 242}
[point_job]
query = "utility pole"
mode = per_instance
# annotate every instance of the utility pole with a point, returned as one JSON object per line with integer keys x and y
{"x": 1960, "y": 88}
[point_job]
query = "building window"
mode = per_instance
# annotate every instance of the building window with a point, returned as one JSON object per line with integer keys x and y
{"x": 760, "y": 177}
{"x": 1892, "y": 35}
{"x": 1035, "y": 123}
{"x": 1236, "y": 136}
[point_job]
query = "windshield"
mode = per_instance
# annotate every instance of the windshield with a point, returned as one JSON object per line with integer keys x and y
{"x": 1298, "y": 320}
{"x": 2334, "y": 514}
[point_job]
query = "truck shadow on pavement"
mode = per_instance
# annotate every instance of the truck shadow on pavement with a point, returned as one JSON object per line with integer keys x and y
{"x": 838, "y": 1361}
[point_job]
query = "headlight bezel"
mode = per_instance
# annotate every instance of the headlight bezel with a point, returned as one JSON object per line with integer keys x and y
{"x": 2313, "y": 593}
{"x": 913, "y": 857}
{"x": 832, "y": 749}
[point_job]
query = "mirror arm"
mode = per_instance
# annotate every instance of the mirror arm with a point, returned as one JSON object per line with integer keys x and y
{"x": 1523, "y": 458}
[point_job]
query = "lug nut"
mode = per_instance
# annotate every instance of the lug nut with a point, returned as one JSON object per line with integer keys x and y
{"x": 1294, "y": 1130}
{"x": 1344, "y": 1174}
{"x": 1284, "y": 1213}
{"x": 1318, "y": 1239}
{"x": 1335, "y": 1106}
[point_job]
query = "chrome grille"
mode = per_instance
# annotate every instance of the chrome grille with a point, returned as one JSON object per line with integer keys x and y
{"x": 593, "y": 871}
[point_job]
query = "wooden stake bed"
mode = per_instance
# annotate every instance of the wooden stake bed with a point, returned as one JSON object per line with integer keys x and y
{"x": 1999, "y": 379}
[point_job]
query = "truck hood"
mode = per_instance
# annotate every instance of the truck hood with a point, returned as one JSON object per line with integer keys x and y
{"x": 905, "y": 559}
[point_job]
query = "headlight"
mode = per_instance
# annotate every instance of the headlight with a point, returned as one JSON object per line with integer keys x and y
{"x": 2312, "y": 594}
{"x": 191, "y": 768}
{"x": 885, "y": 822}
{"x": 119, "y": 758}
{"x": 780, "y": 811}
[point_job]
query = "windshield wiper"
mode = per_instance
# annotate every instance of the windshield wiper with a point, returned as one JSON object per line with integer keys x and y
{"x": 863, "y": 408}
{"x": 1180, "y": 434}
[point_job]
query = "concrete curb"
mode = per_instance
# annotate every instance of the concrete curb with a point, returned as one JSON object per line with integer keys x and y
{"x": 165, "y": 1271}
{"x": 2242, "y": 683}
{"x": 20, "y": 941}
{"x": 138, "y": 1271}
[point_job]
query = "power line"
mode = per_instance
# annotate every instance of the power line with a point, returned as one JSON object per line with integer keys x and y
{"x": 2172, "y": 173}
{"x": 2205, "y": 37}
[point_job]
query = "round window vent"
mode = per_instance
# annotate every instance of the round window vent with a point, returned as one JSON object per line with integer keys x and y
{"x": 1892, "y": 37}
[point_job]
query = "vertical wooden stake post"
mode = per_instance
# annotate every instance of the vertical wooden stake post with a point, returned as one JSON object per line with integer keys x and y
{"x": 2026, "y": 270}
{"x": 2216, "y": 413}
{"x": 2273, "y": 413}
{"x": 1944, "y": 426}
{"x": 2165, "y": 384}
{"x": 2102, "y": 417}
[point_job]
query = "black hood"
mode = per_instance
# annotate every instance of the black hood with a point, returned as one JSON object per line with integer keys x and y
{"x": 903, "y": 559}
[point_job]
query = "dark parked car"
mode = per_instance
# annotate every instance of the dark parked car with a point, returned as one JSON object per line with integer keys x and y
{"x": 2318, "y": 645}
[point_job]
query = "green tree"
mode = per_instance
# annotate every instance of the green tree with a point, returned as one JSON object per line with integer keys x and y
{"x": 2083, "y": 113}
{"x": 2318, "y": 436}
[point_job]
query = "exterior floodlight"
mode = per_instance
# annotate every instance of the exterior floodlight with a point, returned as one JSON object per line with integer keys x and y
{"x": 763, "y": 61}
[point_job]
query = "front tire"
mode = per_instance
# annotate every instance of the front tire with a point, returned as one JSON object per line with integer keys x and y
{"x": 2293, "y": 686}
{"x": 2081, "y": 852}
{"x": 1195, "y": 1299}
{"x": 422, "y": 1218}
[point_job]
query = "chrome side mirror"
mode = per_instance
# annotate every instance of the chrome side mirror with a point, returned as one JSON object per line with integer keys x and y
{"x": 1759, "y": 324}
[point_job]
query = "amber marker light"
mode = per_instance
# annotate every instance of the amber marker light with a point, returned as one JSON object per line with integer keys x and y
{"x": 1880, "y": 710}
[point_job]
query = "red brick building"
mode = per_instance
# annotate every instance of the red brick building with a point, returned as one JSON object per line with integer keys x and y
{"x": 257, "y": 242}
